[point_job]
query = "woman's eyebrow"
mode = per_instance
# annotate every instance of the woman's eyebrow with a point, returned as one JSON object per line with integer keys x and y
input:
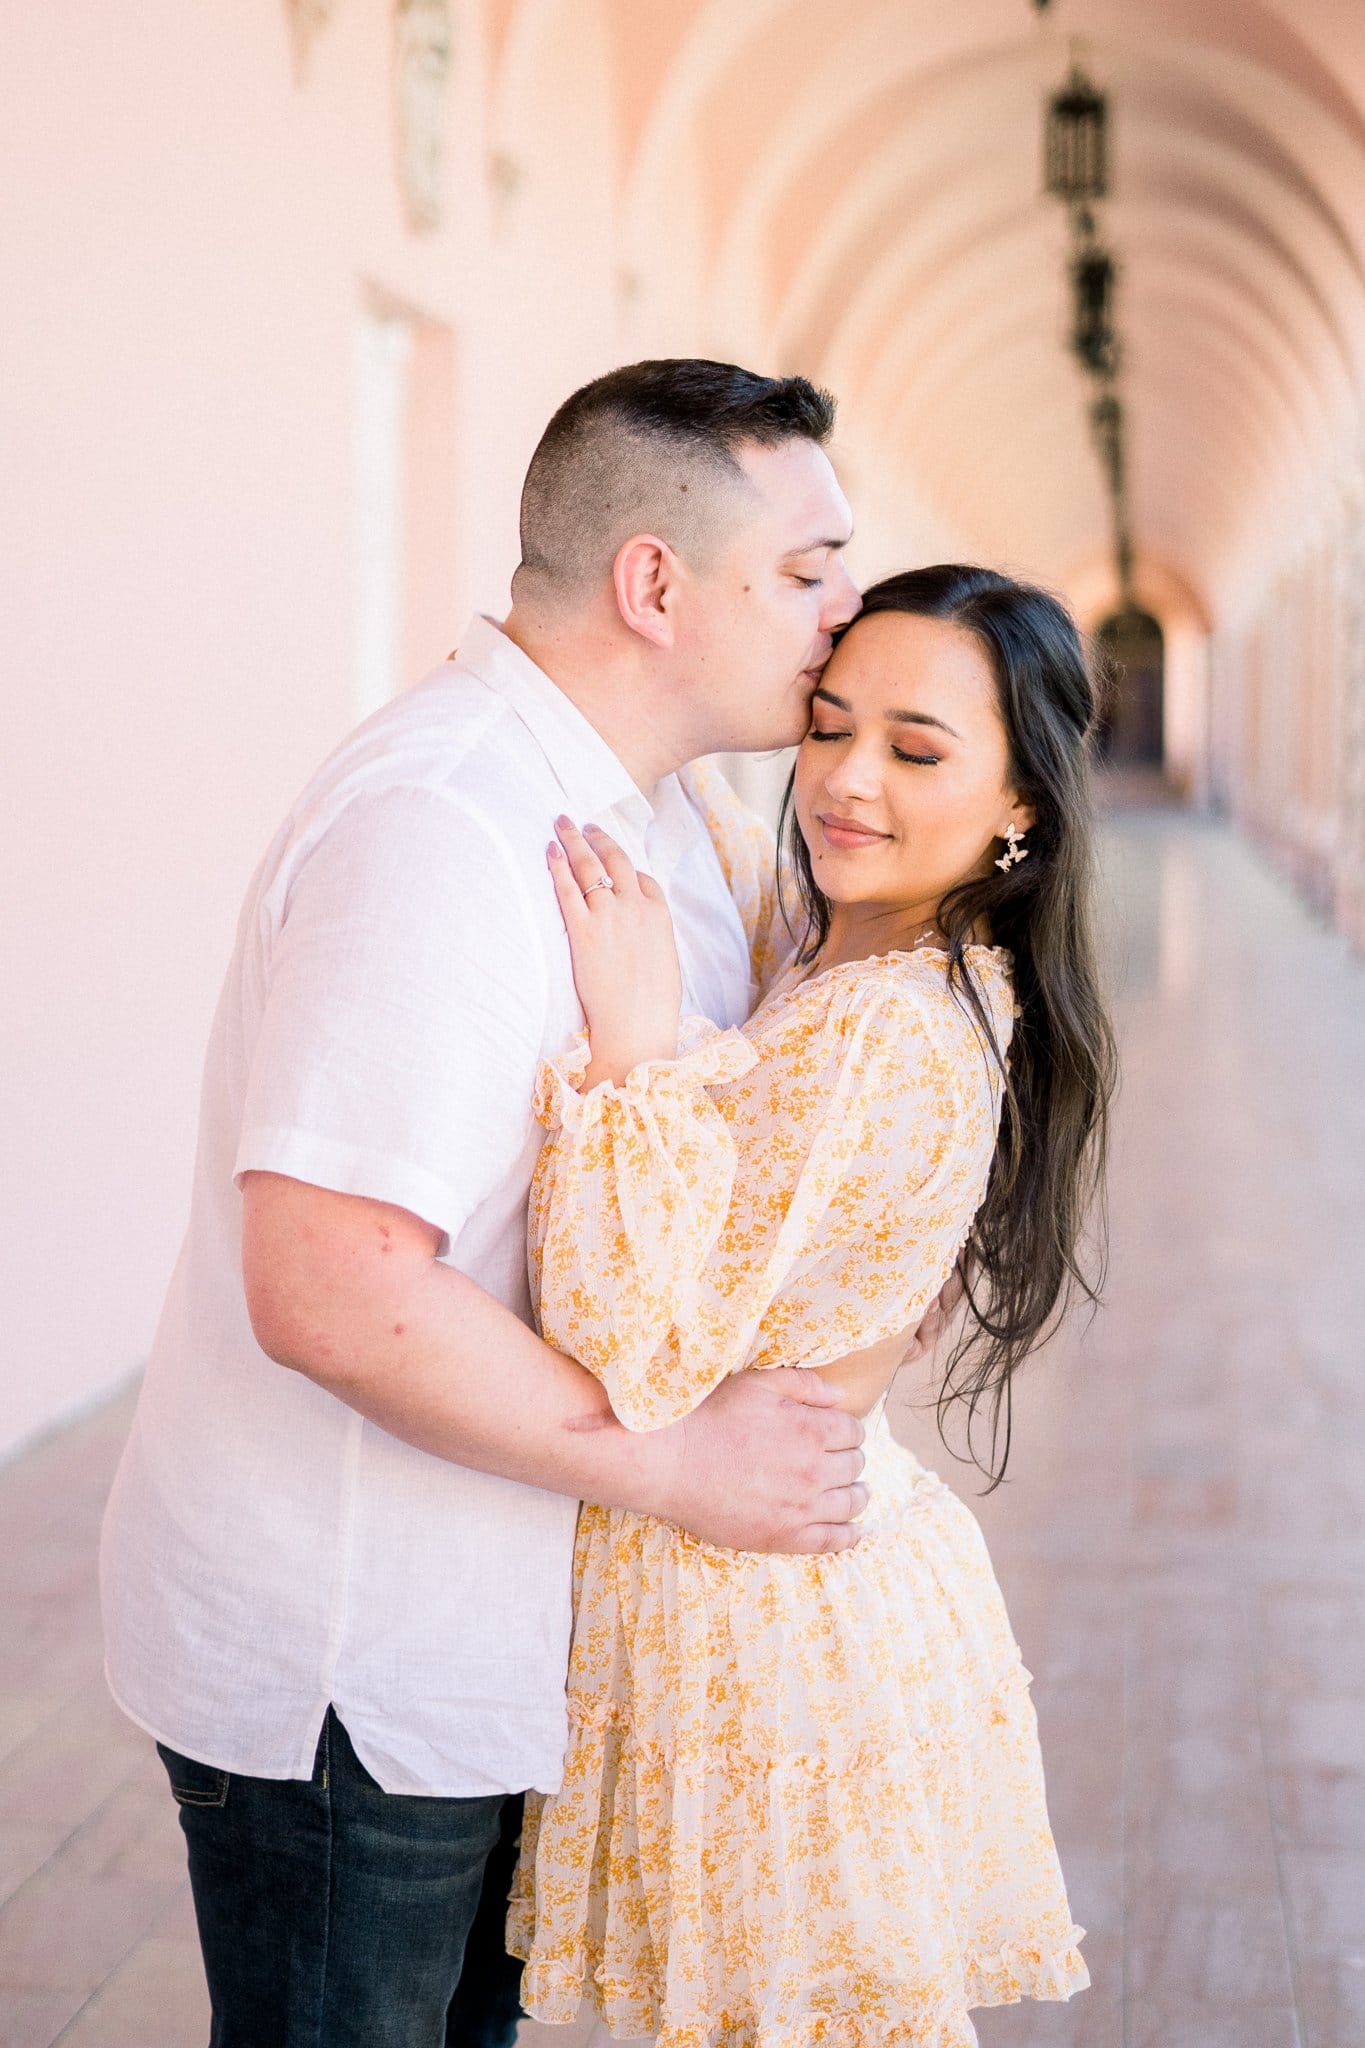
{"x": 893, "y": 717}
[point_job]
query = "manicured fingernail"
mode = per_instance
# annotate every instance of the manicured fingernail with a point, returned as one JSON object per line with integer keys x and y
{"x": 592, "y": 828}
{"x": 555, "y": 850}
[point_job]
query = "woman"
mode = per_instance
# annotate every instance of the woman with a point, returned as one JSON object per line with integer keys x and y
{"x": 802, "y": 1799}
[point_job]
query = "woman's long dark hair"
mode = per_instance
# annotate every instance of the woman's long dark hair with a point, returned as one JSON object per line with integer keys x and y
{"x": 1022, "y": 1260}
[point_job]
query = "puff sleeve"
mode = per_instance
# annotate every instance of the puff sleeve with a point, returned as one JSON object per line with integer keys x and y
{"x": 783, "y": 1208}
{"x": 629, "y": 1198}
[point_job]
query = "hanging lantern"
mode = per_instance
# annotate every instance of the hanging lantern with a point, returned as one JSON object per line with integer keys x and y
{"x": 1123, "y": 554}
{"x": 1106, "y": 426}
{"x": 1093, "y": 340}
{"x": 1076, "y": 160}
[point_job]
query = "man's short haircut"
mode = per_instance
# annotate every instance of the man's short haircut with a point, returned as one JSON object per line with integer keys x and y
{"x": 653, "y": 448}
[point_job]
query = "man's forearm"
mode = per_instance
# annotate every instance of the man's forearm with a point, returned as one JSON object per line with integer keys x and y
{"x": 459, "y": 1375}
{"x": 350, "y": 1295}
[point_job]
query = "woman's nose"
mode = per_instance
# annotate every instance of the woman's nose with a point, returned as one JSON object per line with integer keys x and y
{"x": 854, "y": 774}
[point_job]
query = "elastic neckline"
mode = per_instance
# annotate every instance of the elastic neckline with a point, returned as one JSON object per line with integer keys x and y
{"x": 893, "y": 953}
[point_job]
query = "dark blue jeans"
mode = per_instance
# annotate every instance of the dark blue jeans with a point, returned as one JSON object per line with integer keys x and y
{"x": 333, "y": 1914}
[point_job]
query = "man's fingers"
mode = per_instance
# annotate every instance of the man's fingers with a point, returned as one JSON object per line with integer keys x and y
{"x": 843, "y": 1468}
{"x": 796, "y": 1384}
{"x": 843, "y": 1503}
{"x": 819, "y": 1537}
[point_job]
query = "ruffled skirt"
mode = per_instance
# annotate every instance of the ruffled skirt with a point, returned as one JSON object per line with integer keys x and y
{"x": 803, "y": 1801}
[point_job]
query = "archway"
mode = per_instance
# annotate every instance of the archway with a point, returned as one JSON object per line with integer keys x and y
{"x": 1132, "y": 731}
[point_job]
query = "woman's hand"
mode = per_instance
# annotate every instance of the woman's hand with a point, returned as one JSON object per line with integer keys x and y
{"x": 625, "y": 960}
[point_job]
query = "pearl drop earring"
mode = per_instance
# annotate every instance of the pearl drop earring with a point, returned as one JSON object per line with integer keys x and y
{"x": 1015, "y": 849}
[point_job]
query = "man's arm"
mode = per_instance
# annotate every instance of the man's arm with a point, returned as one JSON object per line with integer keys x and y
{"x": 350, "y": 1293}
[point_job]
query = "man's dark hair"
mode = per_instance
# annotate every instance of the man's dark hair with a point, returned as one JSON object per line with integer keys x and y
{"x": 653, "y": 448}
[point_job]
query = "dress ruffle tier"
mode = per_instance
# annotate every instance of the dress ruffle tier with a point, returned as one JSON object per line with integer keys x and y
{"x": 835, "y": 1829}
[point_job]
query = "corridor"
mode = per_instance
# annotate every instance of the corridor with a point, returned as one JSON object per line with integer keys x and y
{"x": 1181, "y": 1541}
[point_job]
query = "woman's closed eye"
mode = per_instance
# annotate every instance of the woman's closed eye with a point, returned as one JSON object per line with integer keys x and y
{"x": 918, "y": 760}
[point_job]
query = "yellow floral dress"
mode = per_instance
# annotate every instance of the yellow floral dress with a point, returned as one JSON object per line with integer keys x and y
{"x": 803, "y": 1801}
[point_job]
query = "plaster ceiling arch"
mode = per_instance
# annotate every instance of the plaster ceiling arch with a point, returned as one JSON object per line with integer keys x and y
{"x": 1016, "y": 485}
{"x": 943, "y": 316}
{"x": 1280, "y": 80}
{"x": 867, "y": 178}
{"x": 1279, "y": 321}
{"x": 1163, "y": 95}
{"x": 1158, "y": 586}
{"x": 910, "y": 212}
{"x": 1021, "y": 465}
{"x": 667, "y": 55}
{"x": 1284, "y": 219}
{"x": 843, "y": 292}
{"x": 949, "y": 349}
{"x": 938, "y": 328}
{"x": 1194, "y": 290}
{"x": 1205, "y": 365}
{"x": 1044, "y": 453}
{"x": 1286, "y": 234}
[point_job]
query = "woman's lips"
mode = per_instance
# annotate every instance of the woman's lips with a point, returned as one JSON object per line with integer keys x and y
{"x": 842, "y": 833}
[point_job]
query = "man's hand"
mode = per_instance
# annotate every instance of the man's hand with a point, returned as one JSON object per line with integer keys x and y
{"x": 768, "y": 1462}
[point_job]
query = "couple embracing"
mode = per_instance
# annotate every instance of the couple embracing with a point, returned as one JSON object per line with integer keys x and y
{"x": 550, "y": 1154}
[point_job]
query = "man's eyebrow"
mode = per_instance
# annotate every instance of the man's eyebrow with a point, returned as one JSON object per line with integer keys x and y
{"x": 896, "y": 717}
{"x": 811, "y": 546}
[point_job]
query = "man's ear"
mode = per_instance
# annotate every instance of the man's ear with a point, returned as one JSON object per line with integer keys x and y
{"x": 645, "y": 577}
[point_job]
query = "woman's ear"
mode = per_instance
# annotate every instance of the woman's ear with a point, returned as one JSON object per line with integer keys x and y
{"x": 644, "y": 577}
{"x": 1023, "y": 817}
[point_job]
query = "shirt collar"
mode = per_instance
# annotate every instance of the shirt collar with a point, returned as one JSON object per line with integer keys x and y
{"x": 592, "y": 777}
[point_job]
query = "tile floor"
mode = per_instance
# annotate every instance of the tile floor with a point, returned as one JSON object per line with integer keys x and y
{"x": 1182, "y": 1542}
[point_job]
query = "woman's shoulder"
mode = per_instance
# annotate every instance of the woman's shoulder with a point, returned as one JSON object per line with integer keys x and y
{"x": 912, "y": 985}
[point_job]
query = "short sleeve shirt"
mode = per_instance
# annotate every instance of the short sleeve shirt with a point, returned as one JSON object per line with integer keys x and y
{"x": 400, "y": 970}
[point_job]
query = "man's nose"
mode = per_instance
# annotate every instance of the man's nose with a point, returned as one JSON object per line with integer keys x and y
{"x": 843, "y": 601}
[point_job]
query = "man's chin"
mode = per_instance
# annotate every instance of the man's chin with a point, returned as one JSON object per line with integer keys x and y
{"x": 780, "y": 742}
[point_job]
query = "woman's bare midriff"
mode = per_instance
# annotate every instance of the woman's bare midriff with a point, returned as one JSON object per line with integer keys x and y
{"x": 864, "y": 1376}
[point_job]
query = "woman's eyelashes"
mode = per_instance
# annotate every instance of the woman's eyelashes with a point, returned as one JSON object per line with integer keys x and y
{"x": 899, "y": 753}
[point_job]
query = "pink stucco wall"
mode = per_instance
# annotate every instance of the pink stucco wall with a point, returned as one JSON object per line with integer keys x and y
{"x": 193, "y": 240}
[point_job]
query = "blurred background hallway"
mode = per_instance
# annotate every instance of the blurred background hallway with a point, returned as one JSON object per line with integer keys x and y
{"x": 293, "y": 286}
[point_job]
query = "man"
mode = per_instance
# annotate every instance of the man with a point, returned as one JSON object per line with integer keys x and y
{"x": 336, "y": 1560}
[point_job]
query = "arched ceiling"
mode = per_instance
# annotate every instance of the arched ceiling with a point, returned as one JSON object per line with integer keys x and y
{"x": 868, "y": 180}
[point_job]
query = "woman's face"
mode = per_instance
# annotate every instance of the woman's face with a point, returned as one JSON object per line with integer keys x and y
{"x": 902, "y": 782}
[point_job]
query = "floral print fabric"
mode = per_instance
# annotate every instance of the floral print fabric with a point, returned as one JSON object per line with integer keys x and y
{"x": 802, "y": 1801}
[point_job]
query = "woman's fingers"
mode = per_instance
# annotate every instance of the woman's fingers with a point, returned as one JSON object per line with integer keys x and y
{"x": 568, "y": 890}
{"x": 595, "y": 857}
{"x": 583, "y": 862}
{"x": 614, "y": 858}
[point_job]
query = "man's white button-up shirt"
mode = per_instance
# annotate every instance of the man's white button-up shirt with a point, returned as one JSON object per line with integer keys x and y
{"x": 400, "y": 969}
